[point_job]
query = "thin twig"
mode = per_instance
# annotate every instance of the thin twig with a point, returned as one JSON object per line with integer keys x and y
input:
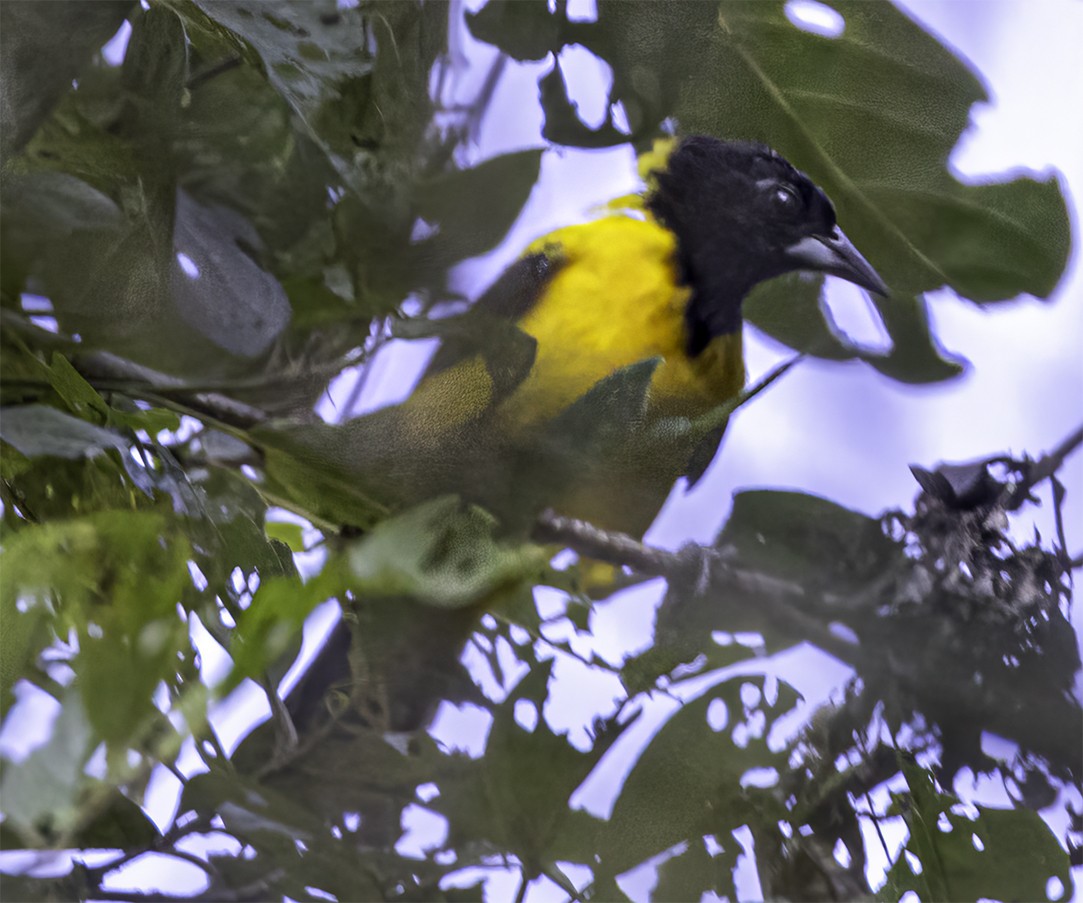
{"x": 99, "y": 365}
{"x": 786, "y": 602}
{"x": 1043, "y": 468}
{"x": 213, "y": 71}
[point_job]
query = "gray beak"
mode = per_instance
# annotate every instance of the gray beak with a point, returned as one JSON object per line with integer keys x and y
{"x": 836, "y": 255}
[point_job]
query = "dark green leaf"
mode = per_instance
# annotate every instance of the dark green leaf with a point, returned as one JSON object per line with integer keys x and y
{"x": 217, "y": 286}
{"x": 42, "y": 793}
{"x": 518, "y": 797}
{"x": 43, "y": 46}
{"x": 474, "y": 208}
{"x": 523, "y": 29}
{"x": 1003, "y": 854}
{"x": 155, "y": 72}
{"x": 802, "y": 537}
{"x": 688, "y": 781}
{"x": 694, "y": 872}
{"x": 791, "y": 310}
{"x": 36, "y": 429}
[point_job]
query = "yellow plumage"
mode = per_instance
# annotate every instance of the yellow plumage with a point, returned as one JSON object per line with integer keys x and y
{"x": 613, "y": 301}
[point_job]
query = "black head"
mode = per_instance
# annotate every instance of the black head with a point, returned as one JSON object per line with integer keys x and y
{"x": 743, "y": 214}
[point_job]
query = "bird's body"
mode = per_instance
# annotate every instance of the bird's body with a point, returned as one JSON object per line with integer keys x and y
{"x": 665, "y": 280}
{"x": 661, "y": 276}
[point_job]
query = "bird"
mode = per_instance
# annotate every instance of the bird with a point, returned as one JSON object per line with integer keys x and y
{"x": 661, "y": 276}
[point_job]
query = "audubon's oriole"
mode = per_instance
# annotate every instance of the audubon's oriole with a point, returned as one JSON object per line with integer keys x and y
{"x": 665, "y": 278}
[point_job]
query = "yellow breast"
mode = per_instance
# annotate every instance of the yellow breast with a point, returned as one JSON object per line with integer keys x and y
{"x": 615, "y": 301}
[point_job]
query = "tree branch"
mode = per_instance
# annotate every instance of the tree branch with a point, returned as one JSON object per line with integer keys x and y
{"x": 1042, "y": 469}
{"x": 782, "y": 599}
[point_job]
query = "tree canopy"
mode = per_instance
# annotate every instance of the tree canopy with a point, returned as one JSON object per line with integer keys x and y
{"x": 198, "y": 239}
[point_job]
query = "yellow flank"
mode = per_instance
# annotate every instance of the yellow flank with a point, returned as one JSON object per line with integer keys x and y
{"x": 615, "y": 301}
{"x": 445, "y": 401}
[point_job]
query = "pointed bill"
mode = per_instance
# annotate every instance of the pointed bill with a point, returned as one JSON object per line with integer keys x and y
{"x": 836, "y": 255}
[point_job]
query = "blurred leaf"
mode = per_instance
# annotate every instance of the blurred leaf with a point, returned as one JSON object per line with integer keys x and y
{"x": 562, "y": 122}
{"x": 36, "y": 429}
{"x": 316, "y": 470}
{"x": 441, "y": 553}
{"x": 218, "y": 287}
{"x": 114, "y": 578}
{"x": 27, "y": 631}
{"x": 916, "y": 355}
{"x": 474, "y": 208}
{"x": 155, "y": 73}
{"x": 62, "y": 205}
{"x": 682, "y": 640}
{"x": 1006, "y": 854}
{"x": 691, "y": 873}
{"x": 119, "y": 823}
{"x": 142, "y": 575}
{"x": 271, "y": 624}
{"x": 42, "y": 793}
{"x": 303, "y": 50}
{"x": 517, "y": 798}
{"x": 287, "y": 532}
{"x": 43, "y": 46}
{"x": 690, "y": 780}
{"x": 80, "y": 397}
{"x": 523, "y": 29}
{"x": 294, "y": 850}
{"x": 804, "y": 538}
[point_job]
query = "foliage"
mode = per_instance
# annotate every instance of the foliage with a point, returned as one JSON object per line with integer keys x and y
{"x": 255, "y": 199}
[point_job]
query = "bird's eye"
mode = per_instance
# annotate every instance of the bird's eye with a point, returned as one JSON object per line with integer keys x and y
{"x": 785, "y": 197}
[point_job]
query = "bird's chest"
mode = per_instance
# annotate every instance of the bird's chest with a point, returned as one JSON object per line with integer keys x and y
{"x": 601, "y": 318}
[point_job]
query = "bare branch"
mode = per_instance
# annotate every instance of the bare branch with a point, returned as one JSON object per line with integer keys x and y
{"x": 1043, "y": 469}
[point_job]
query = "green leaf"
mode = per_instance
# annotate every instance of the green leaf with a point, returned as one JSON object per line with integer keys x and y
{"x": 118, "y": 824}
{"x": 523, "y": 29}
{"x": 517, "y": 797}
{"x": 466, "y": 228}
{"x": 287, "y": 532}
{"x": 294, "y": 852}
{"x": 318, "y": 470}
{"x": 271, "y": 625}
{"x": 114, "y": 579}
{"x": 441, "y": 553}
{"x": 688, "y": 781}
{"x": 303, "y": 50}
{"x": 155, "y": 73}
{"x": 42, "y": 793}
{"x": 804, "y": 538}
{"x": 79, "y": 395}
{"x": 1003, "y": 854}
{"x": 791, "y": 310}
{"x": 694, "y": 871}
{"x": 26, "y": 633}
{"x": 36, "y": 429}
{"x": 43, "y": 46}
{"x": 220, "y": 290}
